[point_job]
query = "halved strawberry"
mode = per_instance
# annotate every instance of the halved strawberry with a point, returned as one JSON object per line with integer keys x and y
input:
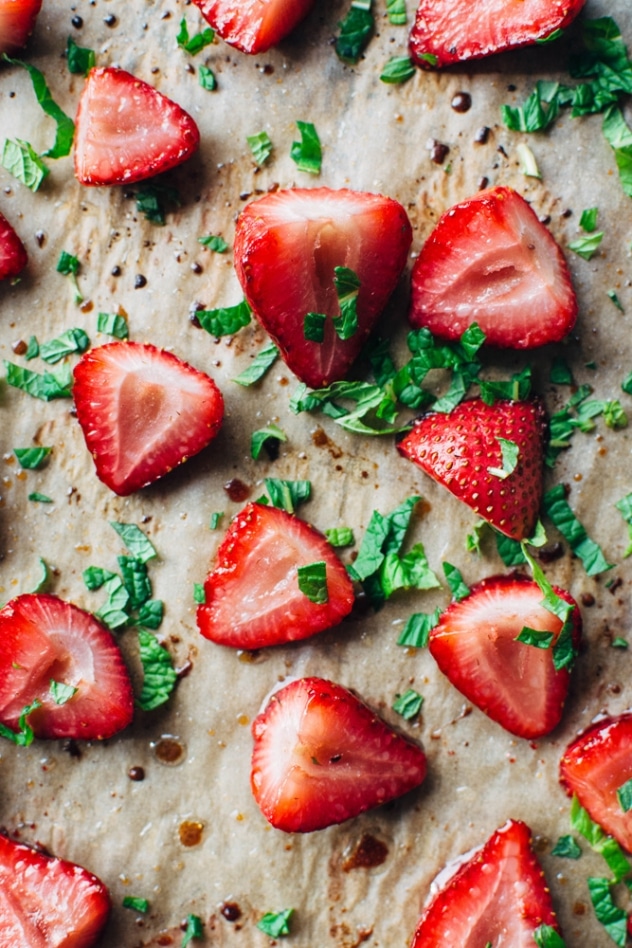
{"x": 253, "y": 26}
{"x": 513, "y": 683}
{"x": 143, "y": 411}
{"x": 127, "y": 131}
{"x": 47, "y": 902}
{"x": 461, "y": 450}
{"x": 595, "y": 766}
{"x": 450, "y": 31}
{"x": 13, "y": 256}
{"x": 321, "y": 756}
{"x": 17, "y": 20}
{"x": 489, "y": 260}
{"x": 253, "y": 597}
{"x": 287, "y": 246}
{"x": 44, "y": 639}
{"x": 496, "y": 895}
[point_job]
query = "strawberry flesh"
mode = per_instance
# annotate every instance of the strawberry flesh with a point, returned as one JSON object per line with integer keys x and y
{"x": 491, "y": 261}
{"x": 287, "y": 245}
{"x": 17, "y": 20}
{"x": 321, "y": 756}
{"x": 252, "y": 595}
{"x": 13, "y": 256}
{"x": 513, "y": 683}
{"x": 253, "y": 26}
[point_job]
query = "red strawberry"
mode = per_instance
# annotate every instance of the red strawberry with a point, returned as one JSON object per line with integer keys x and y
{"x": 253, "y": 26}
{"x": 143, "y": 411}
{"x": 459, "y": 448}
{"x": 47, "y": 902}
{"x": 489, "y": 260}
{"x": 17, "y": 20}
{"x": 252, "y": 595}
{"x": 13, "y": 257}
{"x": 287, "y": 245}
{"x": 496, "y": 895}
{"x": 127, "y": 131}
{"x": 595, "y": 766}
{"x": 44, "y": 639}
{"x": 450, "y": 31}
{"x": 513, "y": 683}
{"x": 321, "y": 756}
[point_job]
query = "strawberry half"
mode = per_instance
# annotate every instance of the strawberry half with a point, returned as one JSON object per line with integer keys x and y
{"x": 490, "y": 261}
{"x": 321, "y": 756}
{"x": 143, "y": 411}
{"x": 13, "y": 256}
{"x": 253, "y": 597}
{"x": 44, "y": 639}
{"x": 450, "y": 31}
{"x": 496, "y": 895}
{"x": 125, "y": 130}
{"x": 595, "y": 766}
{"x": 47, "y": 902}
{"x": 458, "y": 449}
{"x": 253, "y": 26}
{"x": 513, "y": 683}
{"x": 17, "y": 21}
{"x": 287, "y": 245}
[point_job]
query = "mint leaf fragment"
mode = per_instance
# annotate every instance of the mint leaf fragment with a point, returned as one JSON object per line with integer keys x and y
{"x": 455, "y": 581}
{"x": 396, "y": 12}
{"x": 40, "y": 498}
{"x": 347, "y": 288}
{"x": 355, "y": 32}
{"x": 225, "y": 321}
{"x": 566, "y": 848}
{"x": 544, "y": 935}
{"x": 80, "y": 60}
{"x": 587, "y": 550}
{"x": 312, "y": 582}
{"x": 135, "y": 541}
{"x": 69, "y": 265}
{"x": 65, "y": 125}
{"x": 276, "y": 924}
{"x": 159, "y": 674}
{"x": 136, "y": 904}
{"x": 416, "y": 632}
{"x": 194, "y": 929}
{"x": 588, "y": 220}
{"x": 263, "y": 436}
{"x": 113, "y": 325}
{"x": 510, "y": 455}
{"x": 47, "y": 386}
{"x": 24, "y": 736}
{"x": 613, "y": 918}
{"x": 154, "y": 198}
{"x": 61, "y": 692}
{"x": 288, "y": 494}
{"x": 20, "y": 160}
{"x": 314, "y": 327}
{"x": 307, "y": 154}
{"x": 199, "y": 594}
{"x": 260, "y": 146}
{"x": 535, "y": 637}
{"x": 397, "y": 70}
{"x": 624, "y": 796}
{"x": 408, "y": 705}
{"x": 263, "y": 361}
{"x": 31, "y": 458}
{"x": 586, "y": 247}
{"x": 73, "y": 340}
{"x": 214, "y": 242}
{"x": 207, "y": 79}
{"x": 193, "y": 44}
{"x": 340, "y": 536}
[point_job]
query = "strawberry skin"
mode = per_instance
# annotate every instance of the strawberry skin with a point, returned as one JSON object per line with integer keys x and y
{"x": 497, "y": 895}
{"x": 127, "y": 131}
{"x": 594, "y": 766}
{"x": 43, "y": 638}
{"x": 450, "y": 31}
{"x": 491, "y": 261}
{"x": 17, "y": 20}
{"x": 252, "y": 595}
{"x": 321, "y": 756}
{"x": 253, "y": 26}
{"x": 46, "y": 902}
{"x": 287, "y": 245}
{"x": 457, "y": 448}
{"x": 512, "y": 683}
{"x": 13, "y": 256}
{"x": 143, "y": 411}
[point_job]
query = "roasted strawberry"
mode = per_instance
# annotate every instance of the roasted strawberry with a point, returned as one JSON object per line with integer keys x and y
{"x": 127, "y": 131}
{"x": 58, "y": 655}
{"x": 287, "y": 248}
{"x": 450, "y": 31}
{"x": 461, "y": 450}
{"x": 143, "y": 411}
{"x": 17, "y": 20}
{"x": 253, "y": 597}
{"x": 321, "y": 756}
{"x": 499, "y": 896}
{"x": 514, "y": 683}
{"x": 490, "y": 261}
{"x": 253, "y": 26}
{"x": 13, "y": 256}
{"x": 595, "y": 767}
{"x": 47, "y": 902}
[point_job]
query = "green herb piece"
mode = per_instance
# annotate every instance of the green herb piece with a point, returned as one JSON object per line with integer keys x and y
{"x": 619, "y": 137}
{"x": 564, "y": 651}
{"x": 288, "y": 494}
{"x": 262, "y": 436}
{"x": 544, "y": 935}
{"x": 94, "y": 577}
{"x": 276, "y": 924}
{"x": 587, "y": 550}
{"x": 458, "y": 588}
{"x": 613, "y": 918}
{"x": 586, "y": 247}
{"x": 312, "y": 582}
{"x": 69, "y": 265}
{"x": 510, "y": 454}
{"x": 44, "y": 576}
{"x": 198, "y": 593}
{"x": 135, "y": 580}
{"x": 588, "y": 220}
{"x": 597, "y": 839}
{"x": 31, "y": 458}
{"x": 538, "y": 112}
{"x": 307, "y": 154}
{"x": 355, "y": 32}
{"x": 65, "y": 125}
{"x": 615, "y": 299}
{"x": 214, "y": 242}
{"x": 408, "y": 705}
{"x": 510, "y": 551}
{"x": 40, "y": 498}
{"x": 193, "y": 44}
{"x": 154, "y": 198}
{"x": 263, "y": 361}
{"x": 225, "y": 321}
{"x": 614, "y": 415}
{"x": 397, "y": 70}
{"x": 260, "y": 146}
{"x": 396, "y": 11}
{"x": 115, "y": 611}
{"x": 73, "y": 340}
{"x": 194, "y": 929}
{"x": 624, "y": 506}
{"x": 159, "y": 677}
{"x": 560, "y": 372}
{"x": 347, "y": 288}
{"x": 151, "y": 614}
{"x": 24, "y": 736}
{"x": 416, "y": 632}
{"x": 61, "y": 692}
{"x": 135, "y": 540}
{"x": 528, "y": 163}
{"x": 624, "y": 796}
{"x": 473, "y": 539}
{"x": 207, "y": 79}
{"x": 215, "y": 520}
{"x": 314, "y": 327}
{"x": 47, "y": 386}
{"x": 340, "y": 536}
{"x": 113, "y": 325}
{"x": 20, "y": 160}
{"x": 32, "y": 349}
{"x": 566, "y": 848}
{"x": 535, "y": 637}
{"x": 80, "y": 60}
{"x": 517, "y": 388}
{"x": 136, "y": 904}
{"x": 618, "y": 642}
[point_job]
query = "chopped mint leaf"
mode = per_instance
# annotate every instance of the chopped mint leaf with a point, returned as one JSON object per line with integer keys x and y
{"x": 215, "y": 520}
{"x": 618, "y": 642}
{"x": 207, "y": 79}
{"x": 588, "y": 220}
{"x": 560, "y": 372}
{"x": 194, "y": 929}
{"x": 535, "y": 637}
{"x": 260, "y": 146}
{"x": 605, "y": 845}
{"x": 44, "y": 576}
{"x": 113, "y": 324}
{"x": 214, "y": 242}
{"x": 538, "y": 112}
{"x": 263, "y": 361}
{"x": 314, "y": 327}
{"x": 384, "y": 535}
{"x": 80, "y": 60}
{"x": 340, "y": 536}
{"x": 115, "y": 611}
{"x": 473, "y": 539}
{"x": 135, "y": 580}
{"x": 135, "y": 541}
{"x": 458, "y": 588}
{"x": 397, "y": 70}
{"x": 225, "y": 321}
{"x": 347, "y": 288}
{"x": 65, "y": 125}
{"x": 528, "y": 163}
{"x": 151, "y": 614}
{"x": 613, "y": 414}
{"x": 624, "y": 506}
{"x": 544, "y": 935}
{"x": 551, "y": 38}
{"x": 307, "y": 154}
{"x": 198, "y": 593}
{"x": 69, "y": 265}
{"x": 566, "y": 848}
{"x": 73, "y": 340}
{"x": 153, "y": 199}
{"x": 262, "y": 436}
{"x": 626, "y": 384}
{"x": 159, "y": 674}
{"x": 276, "y": 924}
{"x": 396, "y": 11}
{"x": 564, "y": 651}
{"x": 587, "y": 550}
{"x": 510, "y": 454}
{"x": 40, "y": 498}
{"x": 20, "y": 160}
{"x": 619, "y": 137}
{"x": 510, "y": 551}
{"x": 517, "y": 388}
{"x": 288, "y": 494}
{"x": 94, "y": 577}
{"x": 32, "y": 349}
{"x": 136, "y": 904}
{"x": 416, "y": 632}
{"x": 615, "y": 299}
{"x": 61, "y": 692}
{"x": 193, "y": 44}
{"x": 24, "y": 736}
{"x": 613, "y": 918}
{"x": 587, "y": 247}
{"x": 312, "y": 581}
{"x": 408, "y": 705}
{"x": 624, "y": 796}
{"x": 355, "y": 32}
{"x": 47, "y": 386}
{"x": 31, "y": 458}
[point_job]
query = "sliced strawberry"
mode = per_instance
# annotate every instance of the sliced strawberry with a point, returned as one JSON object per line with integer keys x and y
{"x": 44, "y": 639}
{"x": 489, "y": 260}
{"x": 47, "y": 902}
{"x": 321, "y": 756}
{"x": 458, "y": 448}
{"x": 450, "y": 31}
{"x": 513, "y": 683}
{"x": 13, "y": 256}
{"x": 287, "y": 245}
{"x": 127, "y": 131}
{"x": 143, "y": 411}
{"x": 496, "y": 895}
{"x": 253, "y": 597}
{"x": 17, "y": 20}
{"x": 595, "y": 766}
{"x": 253, "y": 26}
